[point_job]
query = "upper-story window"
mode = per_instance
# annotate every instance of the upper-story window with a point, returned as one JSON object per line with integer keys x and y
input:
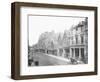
{"x": 81, "y": 29}
{"x": 82, "y": 39}
{"x": 76, "y": 39}
{"x": 72, "y": 40}
{"x": 76, "y": 28}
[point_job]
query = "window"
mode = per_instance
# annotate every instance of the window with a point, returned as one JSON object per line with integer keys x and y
{"x": 76, "y": 28}
{"x": 76, "y": 40}
{"x": 72, "y": 39}
{"x": 81, "y": 29}
{"x": 82, "y": 39}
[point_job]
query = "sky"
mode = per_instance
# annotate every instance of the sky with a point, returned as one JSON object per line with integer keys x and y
{"x": 39, "y": 24}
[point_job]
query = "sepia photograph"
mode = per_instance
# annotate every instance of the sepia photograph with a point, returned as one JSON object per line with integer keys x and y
{"x": 57, "y": 40}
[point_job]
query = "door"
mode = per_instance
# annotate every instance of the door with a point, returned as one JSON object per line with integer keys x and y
{"x": 82, "y": 53}
{"x": 76, "y": 53}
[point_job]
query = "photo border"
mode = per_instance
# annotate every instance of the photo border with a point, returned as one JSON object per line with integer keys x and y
{"x": 15, "y": 39}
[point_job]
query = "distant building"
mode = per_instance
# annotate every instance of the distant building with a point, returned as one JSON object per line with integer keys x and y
{"x": 79, "y": 41}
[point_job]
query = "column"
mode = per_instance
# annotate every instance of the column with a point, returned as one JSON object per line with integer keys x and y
{"x": 70, "y": 53}
{"x": 85, "y": 52}
{"x": 73, "y": 52}
{"x": 45, "y": 51}
{"x": 63, "y": 54}
{"x": 57, "y": 52}
{"x": 80, "y": 55}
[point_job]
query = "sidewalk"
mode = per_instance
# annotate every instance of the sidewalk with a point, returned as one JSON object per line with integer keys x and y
{"x": 58, "y": 57}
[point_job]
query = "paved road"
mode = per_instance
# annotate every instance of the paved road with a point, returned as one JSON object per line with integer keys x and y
{"x": 47, "y": 60}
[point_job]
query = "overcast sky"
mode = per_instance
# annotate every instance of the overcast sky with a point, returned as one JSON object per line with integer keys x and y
{"x": 41, "y": 24}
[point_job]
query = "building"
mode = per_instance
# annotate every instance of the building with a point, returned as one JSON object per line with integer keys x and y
{"x": 79, "y": 41}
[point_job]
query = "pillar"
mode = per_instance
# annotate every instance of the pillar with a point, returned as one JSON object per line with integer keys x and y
{"x": 80, "y": 55}
{"x": 63, "y": 54}
{"x": 73, "y": 52}
{"x": 70, "y": 52}
{"x": 57, "y": 52}
{"x": 45, "y": 51}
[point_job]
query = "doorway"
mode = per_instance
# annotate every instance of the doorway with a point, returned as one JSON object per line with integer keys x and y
{"x": 76, "y": 53}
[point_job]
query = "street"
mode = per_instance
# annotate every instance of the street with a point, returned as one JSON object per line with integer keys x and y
{"x": 49, "y": 60}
